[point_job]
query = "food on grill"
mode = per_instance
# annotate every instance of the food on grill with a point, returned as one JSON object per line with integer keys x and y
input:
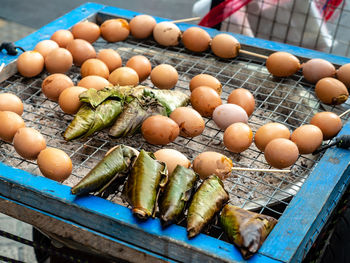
{"x": 54, "y": 164}
{"x": 115, "y": 165}
{"x": 114, "y": 30}
{"x": 268, "y": 132}
{"x": 329, "y": 123}
{"x": 247, "y": 230}
{"x": 45, "y": 47}
{"x": 208, "y": 200}
{"x": 196, "y": 39}
{"x": 94, "y": 82}
{"x": 243, "y": 98}
{"x": 11, "y": 122}
{"x": 28, "y": 143}
{"x": 86, "y": 30}
{"x": 124, "y": 76}
{"x": 11, "y": 102}
{"x": 111, "y": 58}
{"x": 81, "y": 50}
{"x": 226, "y": 114}
{"x": 343, "y": 74}
{"x": 141, "y": 26}
{"x": 69, "y": 99}
{"x": 205, "y": 100}
{"x": 316, "y": 69}
{"x": 30, "y": 64}
{"x": 148, "y": 176}
{"x": 166, "y": 34}
{"x": 141, "y": 65}
{"x": 172, "y": 158}
{"x": 62, "y": 37}
{"x": 95, "y": 67}
{"x": 308, "y": 138}
{"x": 176, "y": 194}
{"x": 206, "y": 80}
{"x": 281, "y": 153}
{"x": 54, "y": 84}
{"x": 225, "y": 46}
{"x": 238, "y": 137}
{"x": 59, "y": 60}
{"x": 190, "y": 122}
{"x": 282, "y": 64}
{"x": 164, "y": 76}
{"x": 331, "y": 91}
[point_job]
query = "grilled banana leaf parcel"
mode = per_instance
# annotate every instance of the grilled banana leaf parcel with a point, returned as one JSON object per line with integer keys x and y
{"x": 207, "y": 201}
{"x": 176, "y": 194}
{"x": 141, "y": 189}
{"x": 115, "y": 164}
{"x": 247, "y": 230}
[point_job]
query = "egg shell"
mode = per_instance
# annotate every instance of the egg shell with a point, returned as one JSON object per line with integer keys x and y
{"x": 329, "y": 123}
{"x": 268, "y": 132}
{"x": 30, "y": 64}
{"x": 114, "y": 30}
{"x": 316, "y": 69}
{"x": 45, "y": 47}
{"x": 59, "y": 60}
{"x": 331, "y": 91}
{"x": 196, "y": 39}
{"x": 159, "y": 130}
{"x": 308, "y": 138}
{"x": 142, "y": 26}
{"x": 238, "y": 137}
{"x": 166, "y": 34}
{"x": 226, "y": 114}
{"x": 54, "y": 164}
{"x": 11, "y": 122}
{"x": 225, "y": 46}
{"x": 172, "y": 158}
{"x": 54, "y": 84}
{"x": 282, "y": 64}
{"x": 164, "y": 76}
{"x": 190, "y": 122}
{"x": 62, "y": 37}
{"x": 124, "y": 76}
{"x": 94, "y": 82}
{"x": 343, "y": 74}
{"x": 86, "y": 30}
{"x": 141, "y": 65}
{"x": 111, "y": 58}
{"x": 281, "y": 153}
{"x": 10, "y": 102}
{"x": 208, "y": 163}
{"x": 94, "y": 66}
{"x": 81, "y": 50}
{"x": 206, "y": 80}
{"x": 205, "y": 100}
{"x": 28, "y": 143}
{"x": 244, "y": 98}
{"x": 69, "y": 99}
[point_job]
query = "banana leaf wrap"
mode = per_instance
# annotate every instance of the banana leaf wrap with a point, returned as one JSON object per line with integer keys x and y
{"x": 115, "y": 164}
{"x": 207, "y": 201}
{"x": 247, "y": 230}
{"x": 176, "y": 194}
{"x": 142, "y": 187}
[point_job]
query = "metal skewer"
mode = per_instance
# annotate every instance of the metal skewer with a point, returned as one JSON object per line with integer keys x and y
{"x": 186, "y": 20}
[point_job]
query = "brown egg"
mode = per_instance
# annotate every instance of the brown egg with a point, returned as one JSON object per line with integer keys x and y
{"x": 94, "y": 66}
{"x": 166, "y": 34}
{"x": 62, "y": 37}
{"x": 10, "y": 123}
{"x": 59, "y": 60}
{"x": 329, "y": 123}
{"x": 268, "y": 132}
{"x": 190, "y": 122}
{"x": 54, "y": 164}
{"x": 225, "y": 46}
{"x": 28, "y": 143}
{"x": 30, "y": 64}
{"x": 331, "y": 91}
{"x": 316, "y": 69}
{"x": 282, "y": 64}
{"x": 94, "y": 82}
{"x": 238, "y": 137}
{"x": 111, "y": 58}
{"x": 308, "y": 138}
{"x": 69, "y": 99}
{"x": 164, "y": 76}
{"x": 141, "y": 65}
{"x": 343, "y": 74}
{"x": 226, "y": 114}
{"x": 206, "y": 80}
{"x": 159, "y": 129}
{"x": 114, "y": 30}
{"x": 54, "y": 84}
{"x": 45, "y": 47}
{"x": 281, "y": 153}
{"x": 172, "y": 158}
{"x": 141, "y": 26}
{"x": 242, "y": 97}
{"x": 196, "y": 39}
{"x": 124, "y": 76}
{"x": 208, "y": 163}
{"x": 10, "y": 102}
{"x": 86, "y": 30}
{"x": 205, "y": 100}
{"x": 81, "y": 50}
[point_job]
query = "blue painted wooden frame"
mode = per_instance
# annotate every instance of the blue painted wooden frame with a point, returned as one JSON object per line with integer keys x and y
{"x": 306, "y": 213}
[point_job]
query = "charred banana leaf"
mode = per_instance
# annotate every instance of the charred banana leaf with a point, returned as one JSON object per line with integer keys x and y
{"x": 176, "y": 194}
{"x": 114, "y": 165}
{"x": 141, "y": 189}
{"x": 247, "y": 230}
{"x": 207, "y": 201}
